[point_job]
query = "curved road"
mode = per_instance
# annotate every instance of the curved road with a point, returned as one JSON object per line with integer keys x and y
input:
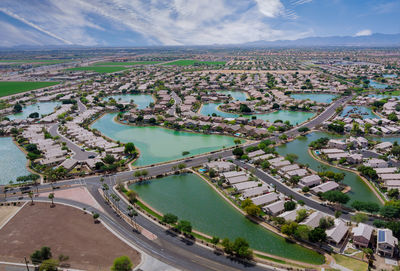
{"x": 182, "y": 254}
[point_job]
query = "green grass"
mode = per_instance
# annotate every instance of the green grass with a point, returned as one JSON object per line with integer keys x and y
{"x": 11, "y": 87}
{"x": 194, "y": 63}
{"x": 98, "y": 69}
{"x": 126, "y": 63}
{"x": 148, "y": 210}
{"x": 395, "y": 93}
{"x": 350, "y": 263}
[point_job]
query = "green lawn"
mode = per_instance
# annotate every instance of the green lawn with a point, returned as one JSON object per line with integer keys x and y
{"x": 350, "y": 263}
{"x": 194, "y": 63}
{"x": 394, "y": 93}
{"x": 98, "y": 69}
{"x": 10, "y": 87}
{"x": 126, "y": 63}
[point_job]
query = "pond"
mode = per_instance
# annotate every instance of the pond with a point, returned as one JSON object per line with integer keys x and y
{"x": 141, "y": 100}
{"x": 191, "y": 198}
{"x": 12, "y": 161}
{"x": 359, "y": 190}
{"x": 316, "y": 97}
{"x": 159, "y": 144}
{"x": 236, "y": 95}
{"x": 390, "y": 76}
{"x": 41, "y": 108}
{"x": 295, "y": 117}
{"x": 364, "y": 112}
{"x": 377, "y": 85}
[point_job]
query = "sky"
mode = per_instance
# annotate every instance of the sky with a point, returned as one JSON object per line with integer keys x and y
{"x": 189, "y": 22}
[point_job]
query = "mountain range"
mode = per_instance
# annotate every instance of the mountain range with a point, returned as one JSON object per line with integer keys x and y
{"x": 374, "y": 40}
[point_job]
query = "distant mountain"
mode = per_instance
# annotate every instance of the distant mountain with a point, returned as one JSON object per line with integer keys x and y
{"x": 376, "y": 39}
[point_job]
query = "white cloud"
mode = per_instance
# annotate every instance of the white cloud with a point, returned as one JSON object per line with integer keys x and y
{"x": 300, "y": 2}
{"x": 23, "y": 20}
{"x": 270, "y": 8}
{"x": 365, "y": 32}
{"x": 167, "y": 22}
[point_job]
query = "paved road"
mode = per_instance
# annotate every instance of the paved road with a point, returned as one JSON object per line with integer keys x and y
{"x": 177, "y": 103}
{"x": 167, "y": 248}
{"x": 80, "y": 154}
{"x": 81, "y": 107}
{"x": 287, "y": 191}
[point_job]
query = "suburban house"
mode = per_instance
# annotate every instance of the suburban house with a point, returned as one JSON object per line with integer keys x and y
{"x": 362, "y": 235}
{"x": 386, "y": 243}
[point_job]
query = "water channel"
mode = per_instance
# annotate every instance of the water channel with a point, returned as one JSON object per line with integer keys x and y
{"x": 159, "y": 144}
{"x": 191, "y": 198}
{"x": 12, "y": 161}
{"x": 359, "y": 190}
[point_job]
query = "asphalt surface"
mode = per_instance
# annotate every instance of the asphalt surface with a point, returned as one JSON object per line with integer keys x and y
{"x": 79, "y": 153}
{"x": 172, "y": 250}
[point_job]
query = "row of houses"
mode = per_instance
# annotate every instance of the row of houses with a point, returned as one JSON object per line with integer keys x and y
{"x": 52, "y": 151}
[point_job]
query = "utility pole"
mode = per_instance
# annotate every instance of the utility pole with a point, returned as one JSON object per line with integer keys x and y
{"x": 26, "y": 263}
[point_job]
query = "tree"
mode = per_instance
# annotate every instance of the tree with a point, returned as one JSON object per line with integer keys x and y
{"x": 291, "y": 157}
{"x": 132, "y": 196}
{"x": 289, "y": 205}
{"x": 169, "y": 218}
{"x": 34, "y": 115}
{"x": 301, "y": 215}
{"x": 359, "y": 218}
{"x": 31, "y": 196}
{"x": 290, "y": 228}
{"x": 237, "y": 141}
{"x": 181, "y": 166}
{"x": 238, "y": 152}
{"x": 317, "y": 235}
{"x": 184, "y": 226}
{"x": 275, "y": 106}
{"x": 242, "y": 248}
{"x": 252, "y": 209}
{"x": 244, "y": 108}
{"x": 227, "y": 245}
{"x": 17, "y": 108}
{"x": 303, "y": 129}
{"x": 393, "y": 193}
{"x": 390, "y": 211}
{"x": 336, "y": 196}
{"x": 129, "y": 148}
{"x": 96, "y": 217}
{"x": 370, "y": 207}
{"x": 302, "y": 232}
{"x": 326, "y": 222}
{"x": 215, "y": 240}
{"x": 109, "y": 159}
{"x": 51, "y": 196}
{"x": 49, "y": 265}
{"x": 40, "y": 255}
{"x": 184, "y": 153}
{"x": 122, "y": 263}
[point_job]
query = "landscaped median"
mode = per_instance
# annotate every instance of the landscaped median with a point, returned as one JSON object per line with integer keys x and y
{"x": 194, "y": 200}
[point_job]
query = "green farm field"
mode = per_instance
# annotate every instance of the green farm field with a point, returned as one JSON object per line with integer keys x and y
{"x": 14, "y": 87}
{"x": 98, "y": 69}
{"x": 126, "y": 63}
{"x": 194, "y": 62}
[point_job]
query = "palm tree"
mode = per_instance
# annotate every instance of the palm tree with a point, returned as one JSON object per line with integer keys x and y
{"x": 30, "y": 194}
{"x": 51, "y": 196}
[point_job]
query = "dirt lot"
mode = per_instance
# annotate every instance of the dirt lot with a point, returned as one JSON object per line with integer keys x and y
{"x": 6, "y": 212}
{"x": 66, "y": 231}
